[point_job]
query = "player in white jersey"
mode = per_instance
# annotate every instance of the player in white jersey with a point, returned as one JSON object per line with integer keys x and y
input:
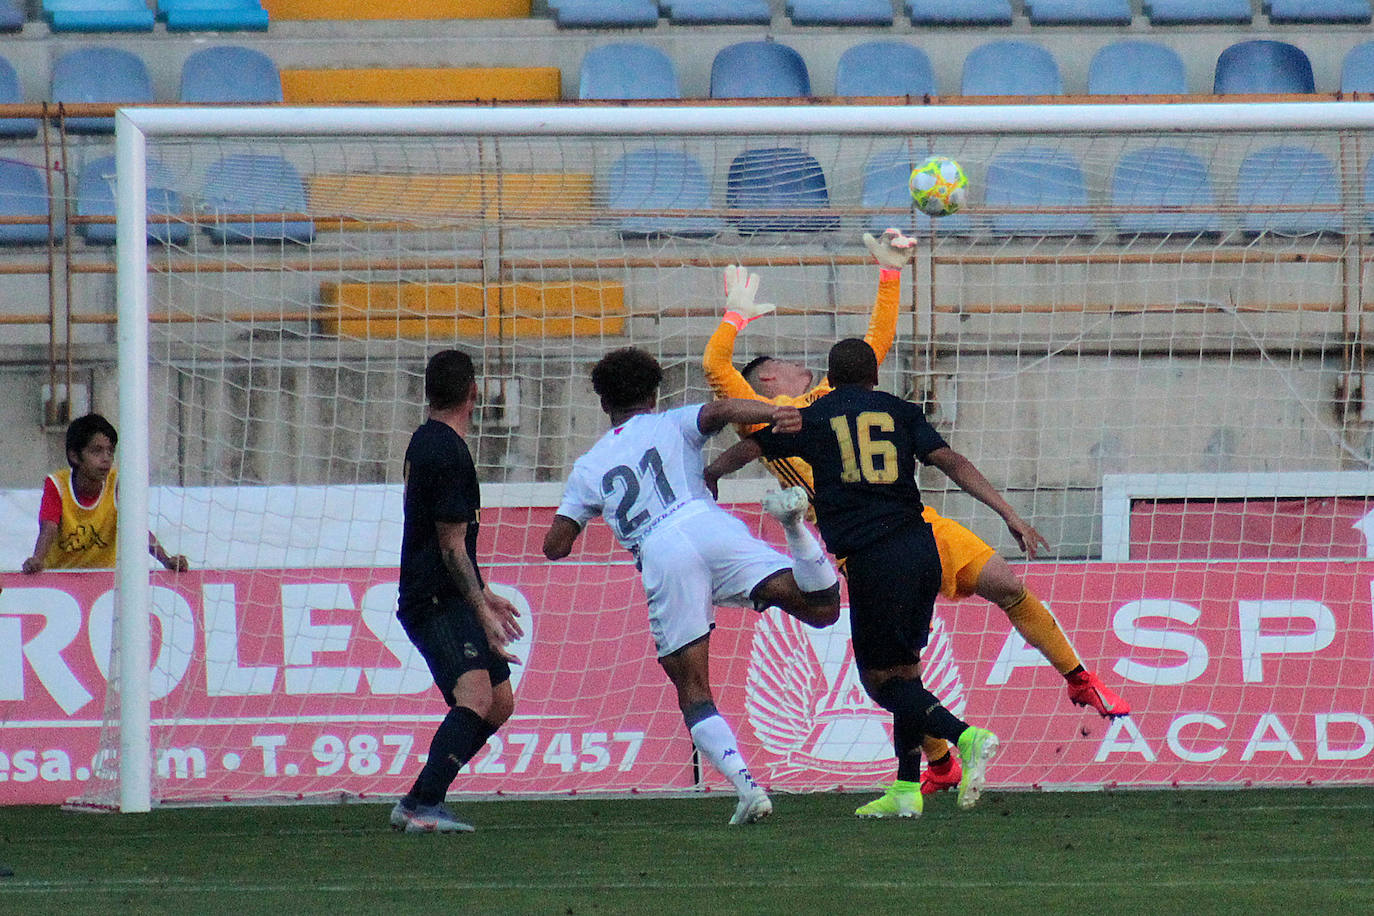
{"x": 644, "y": 477}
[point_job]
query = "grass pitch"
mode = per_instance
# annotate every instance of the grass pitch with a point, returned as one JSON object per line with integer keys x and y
{"x": 1247, "y": 851}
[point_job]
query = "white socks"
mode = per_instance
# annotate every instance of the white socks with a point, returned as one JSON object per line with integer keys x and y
{"x": 810, "y": 566}
{"x": 716, "y": 742}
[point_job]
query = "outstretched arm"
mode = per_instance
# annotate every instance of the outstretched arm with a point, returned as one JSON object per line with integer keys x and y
{"x": 176, "y": 563}
{"x": 971, "y": 480}
{"x": 893, "y": 251}
{"x": 730, "y": 461}
{"x": 715, "y": 415}
{"x": 740, "y": 309}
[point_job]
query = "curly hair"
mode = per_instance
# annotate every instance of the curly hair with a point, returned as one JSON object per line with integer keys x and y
{"x": 627, "y": 377}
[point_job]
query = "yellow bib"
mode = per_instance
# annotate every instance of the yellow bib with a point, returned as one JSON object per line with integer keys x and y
{"x": 86, "y": 534}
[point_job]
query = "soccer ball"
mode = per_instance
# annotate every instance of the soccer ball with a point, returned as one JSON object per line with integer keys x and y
{"x": 938, "y": 186}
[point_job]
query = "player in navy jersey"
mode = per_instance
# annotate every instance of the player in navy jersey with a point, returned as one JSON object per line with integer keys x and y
{"x": 863, "y": 446}
{"x": 644, "y": 477}
{"x": 454, "y": 619}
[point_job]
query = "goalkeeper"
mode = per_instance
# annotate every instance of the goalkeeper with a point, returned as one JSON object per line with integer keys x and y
{"x": 969, "y": 566}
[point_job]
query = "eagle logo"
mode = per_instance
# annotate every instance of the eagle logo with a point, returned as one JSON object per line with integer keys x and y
{"x": 810, "y": 712}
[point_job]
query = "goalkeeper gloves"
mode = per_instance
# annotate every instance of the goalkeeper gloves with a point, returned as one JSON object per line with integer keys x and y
{"x": 740, "y": 288}
{"x": 893, "y": 250}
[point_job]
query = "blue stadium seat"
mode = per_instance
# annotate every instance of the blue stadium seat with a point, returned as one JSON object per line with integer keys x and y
{"x": 1317, "y": 12}
{"x": 104, "y": 75}
{"x": 840, "y": 12}
{"x": 963, "y": 13}
{"x": 626, "y": 70}
{"x": 98, "y": 15}
{"x": 605, "y": 14}
{"x": 95, "y": 196}
{"x": 884, "y": 68}
{"x": 1263, "y": 67}
{"x": 885, "y": 187}
{"x": 212, "y": 15}
{"x": 23, "y": 192}
{"x": 230, "y": 74}
{"x": 1155, "y": 183}
{"x": 782, "y": 178}
{"x": 1079, "y": 12}
{"x": 719, "y": 12}
{"x": 12, "y": 94}
{"x": 1011, "y": 68}
{"x": 660, "y": 179}
{"x": 11, "y": 15}
{"x": 1289, "y": 176}
{"x": 1136, "y": 68}
{"x": 1034, "y": 178}
{"x": 759, "y": 70}
{"x": 1357, "y": 70}
{"x": 1195, "y": 12}
{"x": 250, "y": 184}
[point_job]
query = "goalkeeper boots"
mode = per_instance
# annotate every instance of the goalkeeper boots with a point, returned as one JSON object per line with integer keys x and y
{"x": 939, "y": 778}
{"x": 977, "y": 746}
{"x": 902, "y": 799}
{"x": 1086, "y": 689}
{"x": 787, "y": 506}
{"x": 416, "y": 818}
{"x": 753, "y": 807}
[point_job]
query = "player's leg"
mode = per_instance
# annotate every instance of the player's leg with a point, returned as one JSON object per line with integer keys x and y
{"x": 746, "y": 571}
{"x": 810, "y": 566}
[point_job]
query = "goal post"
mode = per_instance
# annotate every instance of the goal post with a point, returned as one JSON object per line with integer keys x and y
{"x": 269, "y": 364}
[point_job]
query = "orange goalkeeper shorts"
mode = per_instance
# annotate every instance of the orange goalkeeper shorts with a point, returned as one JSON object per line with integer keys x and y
{"x": 963, "y": 555}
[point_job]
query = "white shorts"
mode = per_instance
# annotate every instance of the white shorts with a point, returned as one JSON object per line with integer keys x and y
{"x": 692, "y": 565}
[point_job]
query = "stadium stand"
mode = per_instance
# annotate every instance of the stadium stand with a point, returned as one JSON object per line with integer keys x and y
{"x": 1078, "y": 12}
{"x": 605, "y": 14}
{"x": 719, "y": 12}
{"x": 1263, "y": 67}
{"x": 441, "y": 198}
{"x": 1317, "y": 12}
{"x": 212, "y": 15}
{"x": 759, "y": 70}
{"x": 840, "y": 12}
{"x": 422, "y": 84}
{"x": 628, "y": 70}
{"x": 1154, "y": 187}
{"x": 658, "y": 179}
{"x": 11, "y": 93}
{"x": 780, "y": 178}
{"x": 1357, "y": 69}
{"x": 1198, "y": 12}
{"x": 1034, "y": 178}
{"x": 11, "y": 16}
{"x": 884, "y": 68}
{"x": 95, "y": 196}
{"x": 229, "y": 74}
{"x": 23, "y": 193}
{"x": 1288, "y": 176}
{"x": 1136, "y": 68}
{"x": 966, "y": 13}
{"x": 885, "y": 187}
{"x": 396, "y": 9}
{"x": 246, "y": 184}
{"x": 98, "y": 15}
{"x": 100, "y": 74}
{"x": 1011, "y": 68}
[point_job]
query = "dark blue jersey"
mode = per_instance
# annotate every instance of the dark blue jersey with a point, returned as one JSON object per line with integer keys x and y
{"x": 862, "y": 446}
{"x": 440, "y": 486}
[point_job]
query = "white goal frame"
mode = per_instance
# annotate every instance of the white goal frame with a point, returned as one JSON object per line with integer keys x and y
{"x": 135, "y": 126}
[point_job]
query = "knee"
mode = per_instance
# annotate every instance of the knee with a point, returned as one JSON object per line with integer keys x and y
{"x": 821, "y": 609}
{"x": 502, "y": 706}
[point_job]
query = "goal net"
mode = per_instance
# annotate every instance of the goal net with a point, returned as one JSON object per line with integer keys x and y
{"x": 1148, "y": 329}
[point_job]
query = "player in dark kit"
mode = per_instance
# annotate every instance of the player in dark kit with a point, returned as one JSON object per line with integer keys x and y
{"x": 863, "y": 446}
{"x": 454, "y": 619}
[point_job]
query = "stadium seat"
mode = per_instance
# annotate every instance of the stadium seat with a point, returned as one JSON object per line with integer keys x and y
{"x": 759, "y": 70}
{"x": 1148, "y": 182}
{"x": 12, "y": 94}
{"x": 625, "y": 70}
{"x": 963, "y": 13}
{"x": 23, "y": 192}
{"x": 884, "y": 68}
{"x": 1289, "y": 176}
{"x": 1316, "y": 12}
{"x": 885, "y": 187}
{"x": 782, "y": 178}
{"x": 1079, "y": 12}
{"x": 1263, "y": 67}
{"x": 605, "y": 14}
{"x": 255, "y": 184}
{"x": 659, "y": 179}
{"x": 96, "y": 75}
{"x": 1011, "y": 68}
{"x": 1034, "y": 178}
{"x": 11, "y": 15}
{"x": 230, "y": 74}
{"x": 1196, "y": 12}
{"x": 98, "y": 15}
{"x": 95, "y": 196}
{"x": 1136, "y": 68}
{"x": 1357, "y": 70}
{"x": 212, "y": 15}
{"x": 720, "y": 12}
{"x": 840, "y": 12}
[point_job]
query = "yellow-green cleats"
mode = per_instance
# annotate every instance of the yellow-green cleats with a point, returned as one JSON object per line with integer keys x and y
{"x": 902, "y": 799}
{"x": 976, "y": 747}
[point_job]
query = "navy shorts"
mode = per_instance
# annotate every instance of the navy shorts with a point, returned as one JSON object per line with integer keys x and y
{"x": 452, "y": 642}
{"x": 892, "y": 587}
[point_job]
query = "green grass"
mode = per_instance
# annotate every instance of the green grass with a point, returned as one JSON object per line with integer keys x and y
{"x": 1248, "y": 851}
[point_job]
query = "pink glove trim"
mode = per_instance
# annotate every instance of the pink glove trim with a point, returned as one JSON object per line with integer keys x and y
{"x": 735, "y": 318}
{"x": 887, "y": 273}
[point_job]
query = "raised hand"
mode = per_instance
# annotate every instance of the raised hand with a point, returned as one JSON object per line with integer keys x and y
{"x": 893, "y": 250}
{"x": 740, "y": 289}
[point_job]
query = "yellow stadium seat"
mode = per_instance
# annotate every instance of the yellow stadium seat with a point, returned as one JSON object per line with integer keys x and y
{"x": 422, "y": 84}
{"x": 279, "y": 10}
{"x": 428, "y": 198}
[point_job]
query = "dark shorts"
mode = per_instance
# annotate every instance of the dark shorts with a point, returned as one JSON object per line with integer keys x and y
{"x": 892, "y": 587}
{"x": 452, "y": 643}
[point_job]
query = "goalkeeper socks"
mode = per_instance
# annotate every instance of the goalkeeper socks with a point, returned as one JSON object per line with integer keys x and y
{"x": 810, "y": 567}
{"x": 450, "y": 748}
{"x": 713, "y": 738}
{"x": 934, "y": 748}
{"x": 1039, "y": 628}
